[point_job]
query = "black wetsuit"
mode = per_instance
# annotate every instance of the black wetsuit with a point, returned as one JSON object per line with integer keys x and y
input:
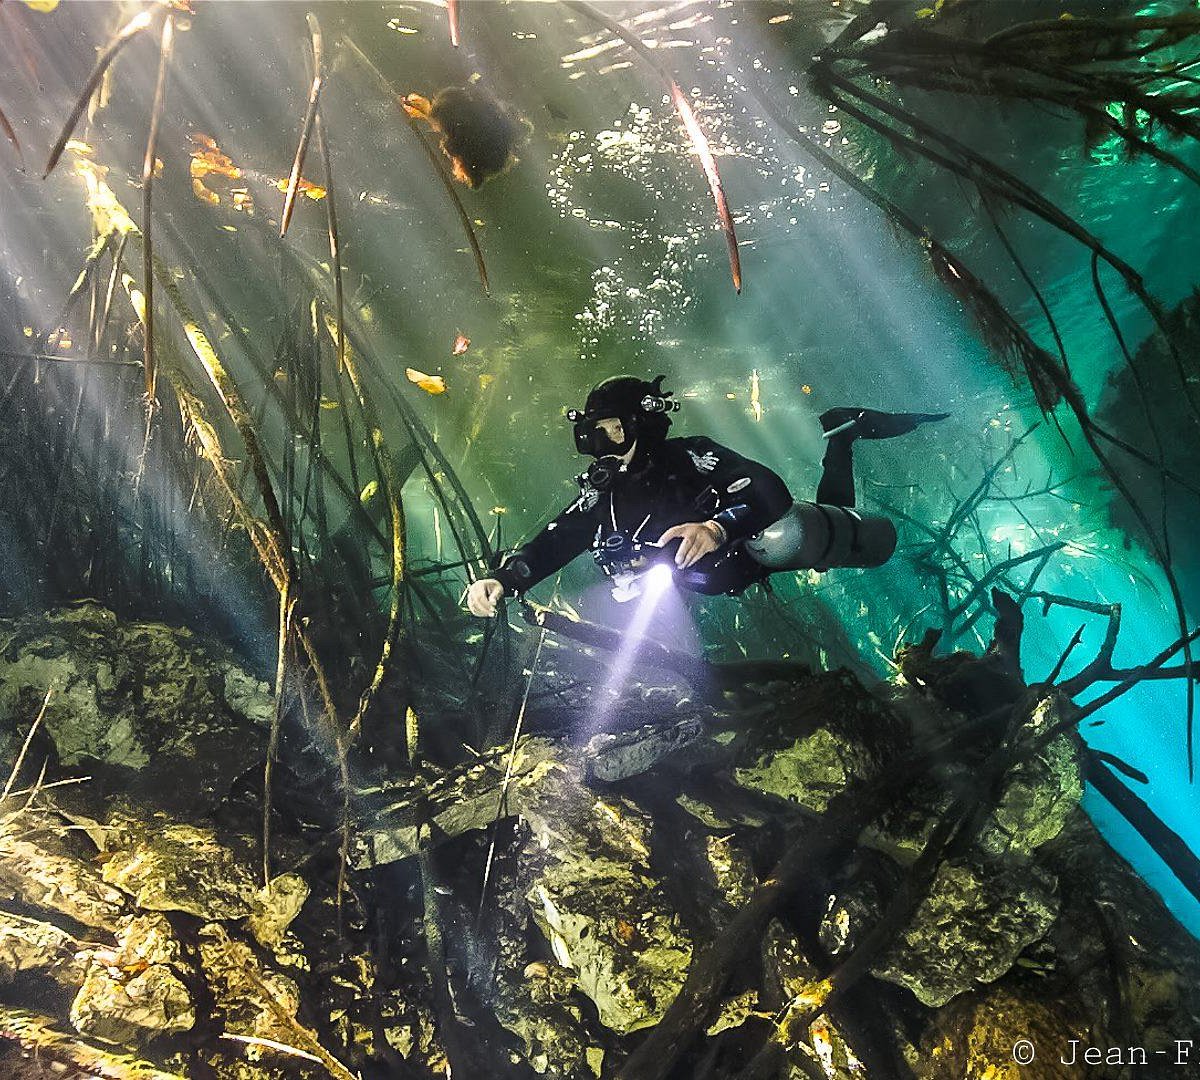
{"x": 677, "y": 481}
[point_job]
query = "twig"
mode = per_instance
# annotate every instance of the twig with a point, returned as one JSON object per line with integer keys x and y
{"x": 271, "y": 1044}
{"x": 160, "y": 94}
{"x": 141, "y": 21}
{"x": 508, "y": 771}
{"x": 12, "y": 776}
{"x": 695, "y": 133}
{"x": 310, "y": 115}
{"x": 1076, "y": 638}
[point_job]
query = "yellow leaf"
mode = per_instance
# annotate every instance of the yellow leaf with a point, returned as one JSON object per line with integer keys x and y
{"x": 368, "y": 493}
{"x": 431, "y": 384}
{"x": 41, "y": 5}
{"x": 328, "y": 403}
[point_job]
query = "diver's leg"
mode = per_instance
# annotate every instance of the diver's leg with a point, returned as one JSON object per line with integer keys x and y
{"x": 837, "y": 472}
{"x": 842, "y": 426}
{"x": 872, "y": 424}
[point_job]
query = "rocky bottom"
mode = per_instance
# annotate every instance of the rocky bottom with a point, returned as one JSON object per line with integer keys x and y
{"x": 540, "y": 916}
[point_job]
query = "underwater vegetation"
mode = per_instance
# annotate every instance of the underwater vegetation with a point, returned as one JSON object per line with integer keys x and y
{"x": 289, "y": 310}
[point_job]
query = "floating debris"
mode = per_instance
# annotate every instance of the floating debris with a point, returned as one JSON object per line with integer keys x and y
{"x": 431, "y": 384}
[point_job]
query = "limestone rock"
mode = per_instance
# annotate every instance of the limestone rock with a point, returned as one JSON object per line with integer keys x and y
{"x": 29, "y": 945}
{"x": 147, "y": 939}
{"x": 974, "y": 1036}
{"x": 554, "y": 1040}
{"x": 43, "y": 869}
{"x": 276, "y": 906}
{"x": 970, "y": 929}
{"x": 828, "y": 734}
{"x": 45, "y": 1039}
{"x": 810, "y": 771}
{"x": 250, "y": 999}
{"x": 132, "y": 1009}
{"x": 612, "y": 925}
{"x": 610, "y": 757}
{"x": 152, "y": 711}
{"x": 172, "y": 866}
{"x": 1039, "y": 792}
{"x": 410, "y": 1031}
{"x": 731, "y": 869}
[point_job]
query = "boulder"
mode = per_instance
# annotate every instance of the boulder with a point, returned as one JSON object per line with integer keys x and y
{"x": 167, "y": 865}
{"x": 31, "y": 946}
{"x": 821, "y": 736}
{"x": 611, "y": 924}
{"x": 540, "y": 1012}
{"x": 42, "y": 867}
{"x": 1039, "y": 793}
{"x": 972, "y": 925}
{"x": 135, "y": 992}
{"x": 132, "y": 1006}
{"x": 146, "y": 708}
{"x": 974, "y": 1036}
{"x": 600, "y": 906}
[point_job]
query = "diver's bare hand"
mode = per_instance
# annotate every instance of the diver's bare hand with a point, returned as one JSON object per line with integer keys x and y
{"x": 483, "y": 596}
{"x": 699, "y": 538}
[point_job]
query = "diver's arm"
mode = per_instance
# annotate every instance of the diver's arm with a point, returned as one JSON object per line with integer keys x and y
{"x": 568, "y": 535}
{"x": 751, "y": 495}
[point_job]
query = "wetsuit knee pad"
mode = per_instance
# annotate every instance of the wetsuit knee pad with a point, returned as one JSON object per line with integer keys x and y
{"x": 811, "y": 536}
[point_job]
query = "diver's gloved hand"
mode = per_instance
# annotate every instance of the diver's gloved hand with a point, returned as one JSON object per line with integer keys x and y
{"x": 483, "y": 596}
{"x": 698, "y": 538}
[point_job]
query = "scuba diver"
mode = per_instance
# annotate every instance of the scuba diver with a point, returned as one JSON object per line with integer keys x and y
{"x": 718, "y": 520}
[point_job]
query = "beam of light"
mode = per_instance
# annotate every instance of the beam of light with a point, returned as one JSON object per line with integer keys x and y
{"x": 655, "y": 584}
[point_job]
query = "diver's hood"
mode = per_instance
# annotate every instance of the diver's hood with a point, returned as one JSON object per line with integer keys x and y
{"x": 641, "y": 407}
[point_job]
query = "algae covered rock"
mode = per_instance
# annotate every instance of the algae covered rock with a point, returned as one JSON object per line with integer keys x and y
{"x": 149, "y": 709}
{"x": 972, "y": 925}
{"x": 823, "y": 736}
{"x": 132, "y": 1008}
{"x": 174, "y": 866}
{"x": 541, "y": 1014}
{"x": 612, "y": 925}
{"x": 1040, "y": 792}
{"x": 44, "y": 869}
{"x": 31, "y": 946}
{"x": 601, "y": 907}
{"x": 974, "y": 1038}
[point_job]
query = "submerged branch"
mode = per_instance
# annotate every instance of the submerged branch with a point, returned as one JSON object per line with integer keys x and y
{"x": 435, "y": 160}
{"x": 687, "y": 115}
{"x": 160, "y": 92}
{"x": 7, "y": 128}
{"x": 141, "y": 21}
{"x": 310, "y": 115}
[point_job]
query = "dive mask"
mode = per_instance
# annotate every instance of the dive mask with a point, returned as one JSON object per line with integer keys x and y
{"x": 594, "y": 441}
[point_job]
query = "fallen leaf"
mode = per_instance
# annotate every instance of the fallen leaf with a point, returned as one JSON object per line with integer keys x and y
{"x": 461, "y": 344}
{"x": 431, "y": 384}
